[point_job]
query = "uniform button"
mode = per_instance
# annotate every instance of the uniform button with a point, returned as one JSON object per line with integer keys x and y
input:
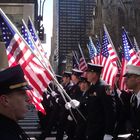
{"x": 85, "y": 104}
{"x": 137, "y": 137}
{"x": 138, "y": 130}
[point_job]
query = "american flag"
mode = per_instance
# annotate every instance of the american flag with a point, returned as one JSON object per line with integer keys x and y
{"x": 136, "y": 48}
{"x": 37, "y": 42}
{"x": 82, "y": 61}
{"x": 98, "y": 48}
{"x": 128, "y": 57}
{"x": 29, "y": 39}
{"x": 75, "y": 61}
{"x": 18, "y": 52}
{"x": 110, "y": 67}
{"x": 132, "y": 53}
{"x": 92, "y": 51}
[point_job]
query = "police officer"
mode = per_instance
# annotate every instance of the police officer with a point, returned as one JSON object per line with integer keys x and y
{"x": 122, "y": 99}
{"x": 13, "y": 103}
{"x": 66, "y": 83}
{"x": 75, "y": 93}
{"x": 132, "y": 79}
{"x": 100, "y": 123}
{"x": 80, "y": 132}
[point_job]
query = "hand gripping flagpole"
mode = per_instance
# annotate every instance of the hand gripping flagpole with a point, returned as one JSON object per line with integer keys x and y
{"x": 69, "y": 108}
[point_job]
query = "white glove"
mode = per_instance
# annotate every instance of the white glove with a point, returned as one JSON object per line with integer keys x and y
{"x": 107, "y": 137}
{"x": 119, "y": 92}
{"x": 74, "y": 103}
{"x": 69, "y": 118}
{"x": 57, "y": 100}
{"x": 48, "y": 96}
{"x": 68, "y": 105}
{"x": 53, "y": 93}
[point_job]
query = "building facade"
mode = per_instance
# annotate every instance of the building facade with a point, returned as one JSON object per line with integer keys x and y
{"x": 16, "y": 10}
{"x": 74, "y": 24}
{"x": 115, "y": 14}
{"x": 54, "y": 40}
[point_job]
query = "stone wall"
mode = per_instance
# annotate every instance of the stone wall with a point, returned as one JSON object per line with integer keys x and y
{"x": 116, "y": 14}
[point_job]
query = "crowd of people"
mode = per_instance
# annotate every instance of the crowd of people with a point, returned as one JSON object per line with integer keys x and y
{"x": 93, "y": 111}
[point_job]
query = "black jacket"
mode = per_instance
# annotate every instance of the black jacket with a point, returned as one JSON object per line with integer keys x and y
{"x": 10, "y": 130}
{"x": 135, "y": 119}
{"x": 101, "y": 116}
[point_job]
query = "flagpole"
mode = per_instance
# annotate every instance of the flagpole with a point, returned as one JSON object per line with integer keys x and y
{"x": 110, "y": 41}
{"x": 40, "y": 44}
{"x": 40, "y": 55}
{"x": 81, "y": 52}
{"x": 136, "y": 44}
{"x": 55, "y": 80}
{"x": 128, "y": 37}
{"x": 75, "y": 57}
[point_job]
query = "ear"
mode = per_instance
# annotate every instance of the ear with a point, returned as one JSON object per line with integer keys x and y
{"x": 4, "y": 100}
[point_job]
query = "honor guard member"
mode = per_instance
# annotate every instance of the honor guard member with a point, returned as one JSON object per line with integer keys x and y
{"x": 66, "y": 83}
{"x": 13, "y": 103}
{"x": 75, "y": 93}
{"x": 59, "y": 78}
{"x": 122, "y": 101}
{"x": 81, "y": 122}
{"x": 132, "y": 80}
{"x": 100, "y": 122}
{"x": 66, "y": 80}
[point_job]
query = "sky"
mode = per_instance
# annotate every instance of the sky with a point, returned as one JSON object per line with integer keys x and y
{"x": 48, "y": 24}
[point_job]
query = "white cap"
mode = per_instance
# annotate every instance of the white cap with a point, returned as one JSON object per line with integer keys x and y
{"x": 131, "y": 69}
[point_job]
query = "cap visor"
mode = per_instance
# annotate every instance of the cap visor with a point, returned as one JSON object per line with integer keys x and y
{"x": 27, "y": 87}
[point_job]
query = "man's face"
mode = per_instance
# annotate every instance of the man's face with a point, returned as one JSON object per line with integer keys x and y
{"x": 83, "y": 86}
{"x": 131, "y": 81}
{"x": 17, "y": 102}
{"x": 73, "y": 78}
{"x": 90, "y": 76}
{"x": 65, "y": 79}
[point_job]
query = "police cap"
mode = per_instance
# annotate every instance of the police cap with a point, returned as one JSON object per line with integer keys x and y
{"x": 94, "y": 68}
{"x": 131, "y": 69}
{"x": 67, "y": 74}
{"x": 12, "y": 79}
{"x": 77, "y": 72}
{"x": 83, "y": 79}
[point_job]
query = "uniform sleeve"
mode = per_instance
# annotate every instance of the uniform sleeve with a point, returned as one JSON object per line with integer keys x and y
{"x": 109, "y": 111}
{"x": 8, "y": 136}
